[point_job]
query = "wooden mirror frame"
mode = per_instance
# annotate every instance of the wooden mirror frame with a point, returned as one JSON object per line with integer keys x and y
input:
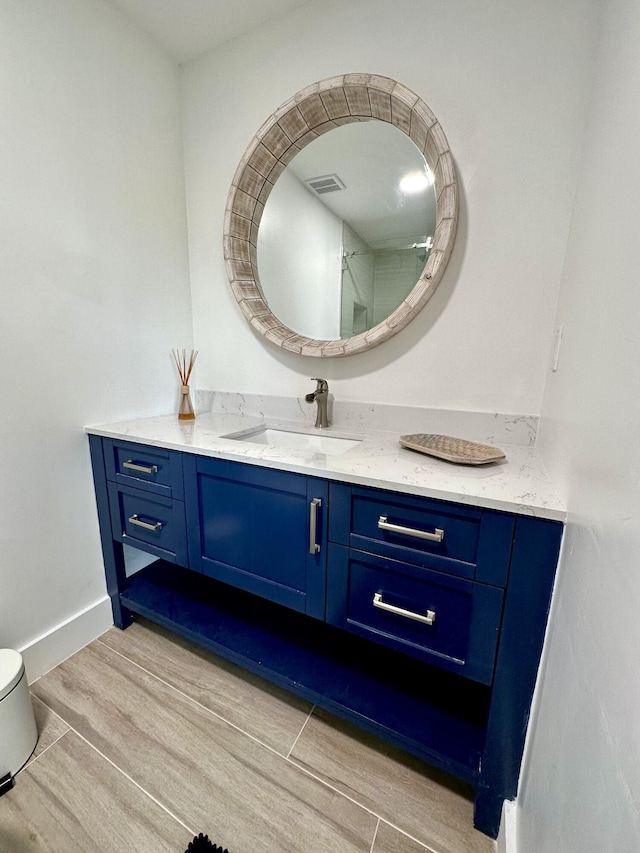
{"x": 313, "y": 111}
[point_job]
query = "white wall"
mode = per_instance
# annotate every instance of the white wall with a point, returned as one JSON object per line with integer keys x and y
{"x": 580, "y": 789}
{"x": 508, "y": 80}
{"x": 297, "y": 281}
{"x": 94, "y": 293}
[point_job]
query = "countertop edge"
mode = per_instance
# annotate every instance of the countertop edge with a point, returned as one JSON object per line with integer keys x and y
{"x": 524, "y": 503}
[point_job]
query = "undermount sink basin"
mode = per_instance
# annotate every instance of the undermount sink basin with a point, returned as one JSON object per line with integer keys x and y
{"x": 331, "y": 445}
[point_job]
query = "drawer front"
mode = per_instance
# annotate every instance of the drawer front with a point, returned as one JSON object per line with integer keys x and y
{"x": 448, "y": 621}
{"x": 141, "y": 466}
{"x": 459, "y": 540}
{"x": 153, "y": 523}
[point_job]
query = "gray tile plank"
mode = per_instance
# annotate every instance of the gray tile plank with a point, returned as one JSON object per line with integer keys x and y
{"x": 422, "y": 801}
{"x": 71, "y": 799}
{"x": 264, "y": 711}
{"x": 391, "y": 840}
{"x": 215, "y": 778}
{"x": 50, "y": 727}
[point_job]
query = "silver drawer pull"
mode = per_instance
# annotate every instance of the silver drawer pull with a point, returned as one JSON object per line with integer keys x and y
{"x": 136, "y": 466}
{"x": 436, "y": 536}
{"x": 137, "y": 521}
{"x": 314, "y": 548}
{"x": 429, "y": 618}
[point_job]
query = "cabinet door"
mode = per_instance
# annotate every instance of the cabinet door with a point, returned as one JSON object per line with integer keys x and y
{"x": 251, "y": 527}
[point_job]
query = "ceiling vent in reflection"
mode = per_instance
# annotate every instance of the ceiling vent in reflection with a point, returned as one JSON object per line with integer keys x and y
{"x": 325, "y": 184}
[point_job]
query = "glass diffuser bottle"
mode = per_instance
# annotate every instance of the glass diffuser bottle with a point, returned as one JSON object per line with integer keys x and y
{"x": 184, "y": 363}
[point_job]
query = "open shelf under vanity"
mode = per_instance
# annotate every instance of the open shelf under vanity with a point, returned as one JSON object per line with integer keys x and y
{"x": 435, "y": 715}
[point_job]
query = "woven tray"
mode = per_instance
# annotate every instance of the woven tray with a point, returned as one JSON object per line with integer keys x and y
{"x": 452, "y": 449}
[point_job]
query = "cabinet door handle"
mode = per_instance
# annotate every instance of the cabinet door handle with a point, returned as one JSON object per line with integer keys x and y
{"x": 136, "y": 466}
{"x": 436, "y": 536}
{"x": 314, "y": 548}
{"x": 134, "y": 519}
{"x": 429, "y": 618}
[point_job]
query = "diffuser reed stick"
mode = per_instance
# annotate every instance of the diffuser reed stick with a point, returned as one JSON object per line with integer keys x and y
{"x": 185, "y": 363}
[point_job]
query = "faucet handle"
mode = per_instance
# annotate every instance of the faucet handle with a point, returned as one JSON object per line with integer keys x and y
{"x": 323, "y": 385}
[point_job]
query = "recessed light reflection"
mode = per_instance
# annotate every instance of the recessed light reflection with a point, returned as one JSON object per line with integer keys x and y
{"x": 415, "y": 182}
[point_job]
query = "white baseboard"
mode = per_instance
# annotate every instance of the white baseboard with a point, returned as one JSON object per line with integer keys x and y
{"x": 60, "y": 642}
{"x": 508, "y": 839}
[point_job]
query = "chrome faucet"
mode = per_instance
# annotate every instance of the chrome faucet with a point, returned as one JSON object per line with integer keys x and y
{"x": 321, "y": 397}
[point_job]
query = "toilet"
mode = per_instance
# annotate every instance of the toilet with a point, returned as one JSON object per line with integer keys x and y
{"x": 18, "y": 733}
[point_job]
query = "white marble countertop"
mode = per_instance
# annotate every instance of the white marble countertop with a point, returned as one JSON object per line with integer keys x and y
{"x": 518, "y": 483}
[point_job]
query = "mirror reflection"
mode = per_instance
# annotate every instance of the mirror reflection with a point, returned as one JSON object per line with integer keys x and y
{"x": 346, "y": 230}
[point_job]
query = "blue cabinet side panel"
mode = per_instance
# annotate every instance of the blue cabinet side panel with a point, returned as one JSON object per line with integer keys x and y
{"x": 112, "y": 552}
{"x": 494, "y": 548}
{"x": 484, "y": 630}
{"x": 533, "y": 564}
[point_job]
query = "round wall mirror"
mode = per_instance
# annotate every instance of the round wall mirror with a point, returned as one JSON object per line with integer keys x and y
{"x": 341, "y": 216}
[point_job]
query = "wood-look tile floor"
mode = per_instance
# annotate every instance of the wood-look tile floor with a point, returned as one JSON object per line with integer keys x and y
{"x": 146, "y": 740}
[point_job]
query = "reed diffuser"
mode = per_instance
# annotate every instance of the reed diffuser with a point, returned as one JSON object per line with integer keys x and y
{"x": 185, "y": 363}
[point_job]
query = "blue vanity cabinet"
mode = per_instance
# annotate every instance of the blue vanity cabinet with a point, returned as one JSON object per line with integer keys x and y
{"x": 260, "y": 530}
{"x": 247, "y": 553}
